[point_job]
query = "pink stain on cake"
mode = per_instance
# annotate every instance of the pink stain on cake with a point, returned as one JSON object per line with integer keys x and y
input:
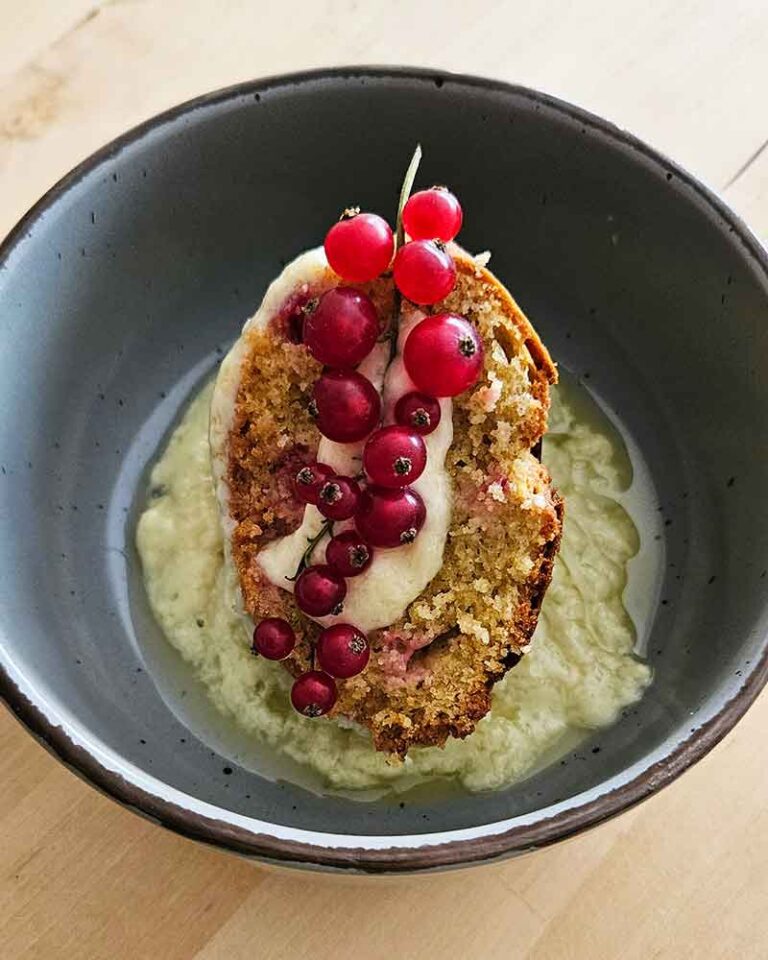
{"x": 486, "y": 397}
{"x": 394, "y": 655}
{"x": 484, "y": 498}
{"x": 284, "y": 503}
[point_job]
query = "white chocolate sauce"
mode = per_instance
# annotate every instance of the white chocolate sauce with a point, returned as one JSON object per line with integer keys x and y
{"x": 380, "y": 596}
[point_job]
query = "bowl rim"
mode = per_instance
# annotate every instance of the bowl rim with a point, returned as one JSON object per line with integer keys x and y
{"x": 151, "y": 797}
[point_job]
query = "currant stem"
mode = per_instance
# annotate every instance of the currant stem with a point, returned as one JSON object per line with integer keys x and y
{"x": 306, "y": 557}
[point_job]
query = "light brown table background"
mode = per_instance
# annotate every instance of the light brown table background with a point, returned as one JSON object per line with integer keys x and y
{"x": 684, "y": 875}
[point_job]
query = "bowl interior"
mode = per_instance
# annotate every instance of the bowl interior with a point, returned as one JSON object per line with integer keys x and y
{"x": 125, "y": 290}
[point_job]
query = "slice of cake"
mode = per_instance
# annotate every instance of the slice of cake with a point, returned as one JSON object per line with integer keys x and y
{"x": 373, "y": 435}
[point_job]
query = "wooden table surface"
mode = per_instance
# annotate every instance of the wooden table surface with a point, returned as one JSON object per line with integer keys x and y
{"x": 685, "y": 874}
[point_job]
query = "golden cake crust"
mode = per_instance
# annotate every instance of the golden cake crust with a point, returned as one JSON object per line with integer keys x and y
{"x": 432, "y": 672}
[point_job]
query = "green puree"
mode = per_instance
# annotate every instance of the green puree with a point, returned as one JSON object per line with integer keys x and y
{"x": 580, "y": 673}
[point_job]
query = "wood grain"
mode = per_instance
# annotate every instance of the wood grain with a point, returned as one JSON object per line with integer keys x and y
{"x": 683, "y": 875}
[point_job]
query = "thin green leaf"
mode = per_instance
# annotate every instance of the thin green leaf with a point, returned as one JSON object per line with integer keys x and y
{"x": 405, "y": 192}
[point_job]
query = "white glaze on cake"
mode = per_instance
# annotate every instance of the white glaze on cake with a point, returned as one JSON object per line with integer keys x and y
{"x": 396, "y": 577}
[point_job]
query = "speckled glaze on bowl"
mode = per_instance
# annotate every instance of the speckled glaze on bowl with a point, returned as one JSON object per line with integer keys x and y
{"x": 123, "y": 286}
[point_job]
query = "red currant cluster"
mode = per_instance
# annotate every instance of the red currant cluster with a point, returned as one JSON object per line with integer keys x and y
{"x": 443, "y": 356}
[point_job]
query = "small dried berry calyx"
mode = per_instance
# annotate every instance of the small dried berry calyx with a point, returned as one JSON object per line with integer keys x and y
{"x": 338, "y": 498}
{"x": 309, "y": 479}
{"x": 468, "y": 346}
{"x": 359, "y": 557}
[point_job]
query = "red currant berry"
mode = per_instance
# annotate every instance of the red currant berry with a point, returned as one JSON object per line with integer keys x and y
{"x": 338, "y": 498}
{"x": 343, "y": 328}
{"x": 394, "y": 456}
{"x": 348, "y": 554}
{"x": 390, "y": 518}
{"x": 313, "y": 693}
{"x": 342, "y": 651}
{"x": 424, "y": 271}
{"x": 432, "y": 215}
{"x": 320, "y": 590}
{"x": 418, "y": 411}
{"x": 273, "y": 638}
{"x": 309, "y": 479}
{"x": 359, "y": 247}
{"x": 443, "y": 355}
{"x": 346, "y": 405}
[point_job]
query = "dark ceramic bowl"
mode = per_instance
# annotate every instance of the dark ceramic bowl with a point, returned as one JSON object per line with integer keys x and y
{"x": 119, "y": 292}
